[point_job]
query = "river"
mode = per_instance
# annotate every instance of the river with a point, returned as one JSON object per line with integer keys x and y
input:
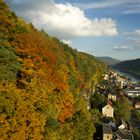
{"x": 130, "y": 76}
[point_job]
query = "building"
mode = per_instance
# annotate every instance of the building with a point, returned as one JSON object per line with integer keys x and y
{"x": 108, "y": 110}
{"x": 137, "y": 105}
{"x": 132, "y": 93}
{"x": 137, "y": 86}
{"x": 121, "y": 82}
{"x": 106, "y": 76}
{"x": 123, "y": 125}
{"x": 107, "y": 132}
{"x": 111, "y": 97}
{"x": 123, "y": 134}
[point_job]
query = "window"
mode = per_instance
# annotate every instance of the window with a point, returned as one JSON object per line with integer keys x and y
{"x": 107, "y": 136}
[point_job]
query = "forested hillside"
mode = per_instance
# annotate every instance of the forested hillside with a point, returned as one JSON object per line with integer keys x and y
{"x": 130, "y": 66}
{"x": 42, "y": 84}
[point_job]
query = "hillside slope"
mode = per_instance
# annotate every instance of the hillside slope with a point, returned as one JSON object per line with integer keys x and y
{"x": 109, "y": 60}
{"x": 130, "y": 66}
{"x": 43, "y": 83}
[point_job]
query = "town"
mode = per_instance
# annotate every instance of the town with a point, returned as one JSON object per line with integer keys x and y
{"x": 115, "y": 108}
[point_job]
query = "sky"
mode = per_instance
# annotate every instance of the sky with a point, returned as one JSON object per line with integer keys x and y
{"x": 99, "y": 27}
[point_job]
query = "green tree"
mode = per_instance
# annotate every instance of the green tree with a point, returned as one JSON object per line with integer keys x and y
{"x": 136, "y": 114}
{"x": 96, "y": 100}
{"x": 136, "y": 133}
{"x": 122, "y": 109}
{"x": 96, "y": 115}
{"x": 9, "y": 65}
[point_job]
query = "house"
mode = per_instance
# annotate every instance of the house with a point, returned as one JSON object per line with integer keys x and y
{"x": 121, "y": 82}
{"x": 137, "y": 105}
{"x": 123, "y": 125}
{"x": 123, "y": 134}
{"x": 108, "y": 110}
{"x": 114, "y": 74}
{"x": 106, "y": 76}
{"x": 137, "y": 86}
{"x": 107, "y": 132}
{"x": 111, "y": 97}
{"x": 132, "y": 93}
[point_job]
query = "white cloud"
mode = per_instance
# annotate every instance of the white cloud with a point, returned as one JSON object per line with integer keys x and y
{"x": 91, "y": 51}
{"x": 133, "y": 33}
{"x": 67, "y": 42}
{"x": 120, "y": 6}
{"x": 63, "y": 20}
{"x": 131, "y": 41}
{"x": 107, "y": 3}
{"x": 131, "y": 11}
{"x": 103, "y": 4}
{"x": 133, "y": 38}
{"x": 87, "y": 51}
{"x": 137, "y": 32}
{"x": 123, "y": 48}
{"x": 134, "y": 8}
{"x": 134, "y": 41}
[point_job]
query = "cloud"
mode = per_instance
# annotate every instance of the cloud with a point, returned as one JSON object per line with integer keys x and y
{"x": 134, "y": 41}
{"x": 134, "y": 8}
{"x": 132, "y": 33}
{"x": 131, "y": 11}
{"x": 67, "y": 42}
{"x": 123, "y": 48}
{"x": 106, "y": 4}
{"x": 62, "y": 20}
{"x": 96, "y": 5}
{"x": 131, "y": 41}
{"x": 121, "y": 6}
{"x": 137, "y": 32}
{"x": 90, "y": 51}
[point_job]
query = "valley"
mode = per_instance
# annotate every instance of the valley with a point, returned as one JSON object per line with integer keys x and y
{"x": 50, "y": 90}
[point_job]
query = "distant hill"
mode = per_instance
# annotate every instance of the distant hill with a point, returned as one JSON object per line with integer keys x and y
{"x": 109, "y": 60}
{"x": 130, "y": 66}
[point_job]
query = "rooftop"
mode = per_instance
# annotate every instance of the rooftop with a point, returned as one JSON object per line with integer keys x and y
{"x": 138, "y": 103}
{"x": 124, "y": 134}
{"x": 112, "y": 94}
{"x": 133, "y": 90}
{"x": 107, "y": 129}
{"x": 137, "y": 85}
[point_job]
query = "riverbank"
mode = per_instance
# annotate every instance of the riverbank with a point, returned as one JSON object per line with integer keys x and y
{"x": 133, "y": 77}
